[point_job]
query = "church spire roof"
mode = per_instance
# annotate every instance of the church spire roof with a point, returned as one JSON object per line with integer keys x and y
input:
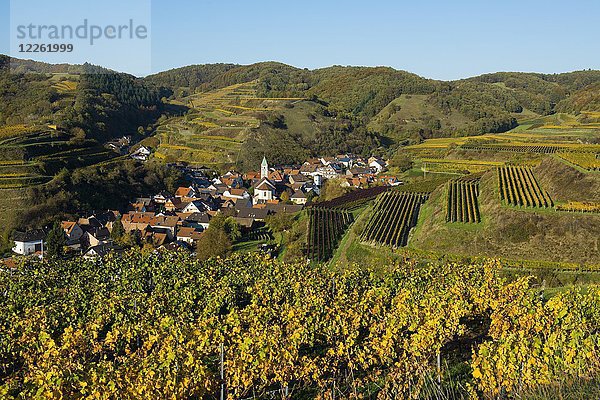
{"x": 264, "y": 162}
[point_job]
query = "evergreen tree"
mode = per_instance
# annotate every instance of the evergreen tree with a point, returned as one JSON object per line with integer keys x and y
{"x": 117, "y": 230}
{"x": 56, "y": 241}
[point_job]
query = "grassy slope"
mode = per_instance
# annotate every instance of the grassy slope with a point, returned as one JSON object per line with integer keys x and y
{"x": 509, "y": 232}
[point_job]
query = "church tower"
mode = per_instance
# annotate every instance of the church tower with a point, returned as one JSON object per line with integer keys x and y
{"x": 264, "y": 169}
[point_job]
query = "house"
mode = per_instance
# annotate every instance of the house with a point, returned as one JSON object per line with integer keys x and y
{"x": 309, "y": 168}
{"x": 73, "y": 232}
{"x": 196, "y": 206}
{"x": 247, "y": 224}
{"x": 198, "y": 221}
{"x": 188, "y": 235}
{"x": 30, "y": 242}
{"x": 275, "y": 176}
{"x": 358, "y": 171}
{"x": 233, "y": 180}
{"x": 136, "y": 221}
{"x": 345, "y": 160}
{"x": 258, "y": 214}
{"x": 168, "y": 223}
{"x": 185, "y": 192}
{"x": 89, "y": 221}
{"x": 283, "y": 208}
{"x": 328, "y": 171}
{"x": 162, "y": 197}
{"x": 138, "y": 207}
{"x": 99, "y": 251}
{"x": 94, "y": 236}
{"x": 107, "y": 218}
{"x": 264, "y": 191}
{"x": 299, "y": 178}
{"x": 237, "y": 194}
{"x": 377, "y": 164}
{"x": 174, "y": 204}
{"x": 141, "y": 154}
{"x": 327, "y": 160}
{"x": 299, "y": 197}
{"x": 157, "y": 237}
{"x": 236, "y": 203}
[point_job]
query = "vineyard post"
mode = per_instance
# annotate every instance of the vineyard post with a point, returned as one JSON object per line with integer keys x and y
{"x": 439, "y": 367}
{"x": 222, "y": 351}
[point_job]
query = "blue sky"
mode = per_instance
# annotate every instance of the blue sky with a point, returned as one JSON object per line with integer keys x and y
{"x": 436, "y": 39}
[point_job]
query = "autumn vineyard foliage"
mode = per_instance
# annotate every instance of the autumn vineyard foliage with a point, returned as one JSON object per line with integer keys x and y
{"x": 151, "y": 326}
{"x": 394, "y": 215}
{"x": 588, "y": 161}
{"x": 579, "y": 206}
{"x": 519, "y": 187}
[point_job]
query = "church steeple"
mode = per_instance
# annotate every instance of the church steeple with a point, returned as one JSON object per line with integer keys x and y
{"x": 264, "y": 169}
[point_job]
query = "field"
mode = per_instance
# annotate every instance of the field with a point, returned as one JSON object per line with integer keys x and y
{"x": 325, "y": 227}
{"x": 518, "y": 187}
{"x": 462, "y": 201}
{"x": 395, "y": 213}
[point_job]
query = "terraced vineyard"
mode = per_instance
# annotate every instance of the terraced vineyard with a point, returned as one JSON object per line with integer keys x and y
{"x": 579, "y": 206}
{"x": 533, "y": 148}
{"x": 217, "y": 125}
{"x": 518, "y": 187}
{"x": 325, "y": 227}
{"x": 588, "y": 161}
{"x": 394, "y": 215}
{"x": 458, "y": 166}
{"x": 527, "y": 148}
{"x": 462, "y": 204}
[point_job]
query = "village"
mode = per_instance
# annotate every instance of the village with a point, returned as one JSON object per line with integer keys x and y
{"x": 178, "y": 220}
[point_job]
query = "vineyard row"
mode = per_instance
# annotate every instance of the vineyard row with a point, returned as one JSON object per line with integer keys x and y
{"x": 462, "y": 204}
{"x": 518, "y": 187}
{"x": 325, "y": 227}
{"x": 394, "y": 215}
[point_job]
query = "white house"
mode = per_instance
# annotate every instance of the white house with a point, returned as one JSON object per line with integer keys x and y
{"x": 141, "y": 154}
{"x": 237, "y": 194}
{"x": 378, "y": 165}
{"x": 196, "y": 206}
{"x": 27, "y": 243}
{"x": 264, "y": 191}
{"x": 328, "y": 171}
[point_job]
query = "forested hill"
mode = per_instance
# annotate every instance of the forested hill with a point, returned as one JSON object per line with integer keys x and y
{"x": 84, "y": 99}
{"x": 396, "y": 103}
{"x": 393, "y": 104}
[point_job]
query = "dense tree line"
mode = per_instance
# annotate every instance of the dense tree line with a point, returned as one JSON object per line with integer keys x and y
{"x": 25, "y": 98}
{"x": 109, "y": 104}
{"x": 101, "y": 187}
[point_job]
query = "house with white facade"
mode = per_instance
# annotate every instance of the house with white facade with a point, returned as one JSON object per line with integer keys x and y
{"x": 27, "y": 243}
